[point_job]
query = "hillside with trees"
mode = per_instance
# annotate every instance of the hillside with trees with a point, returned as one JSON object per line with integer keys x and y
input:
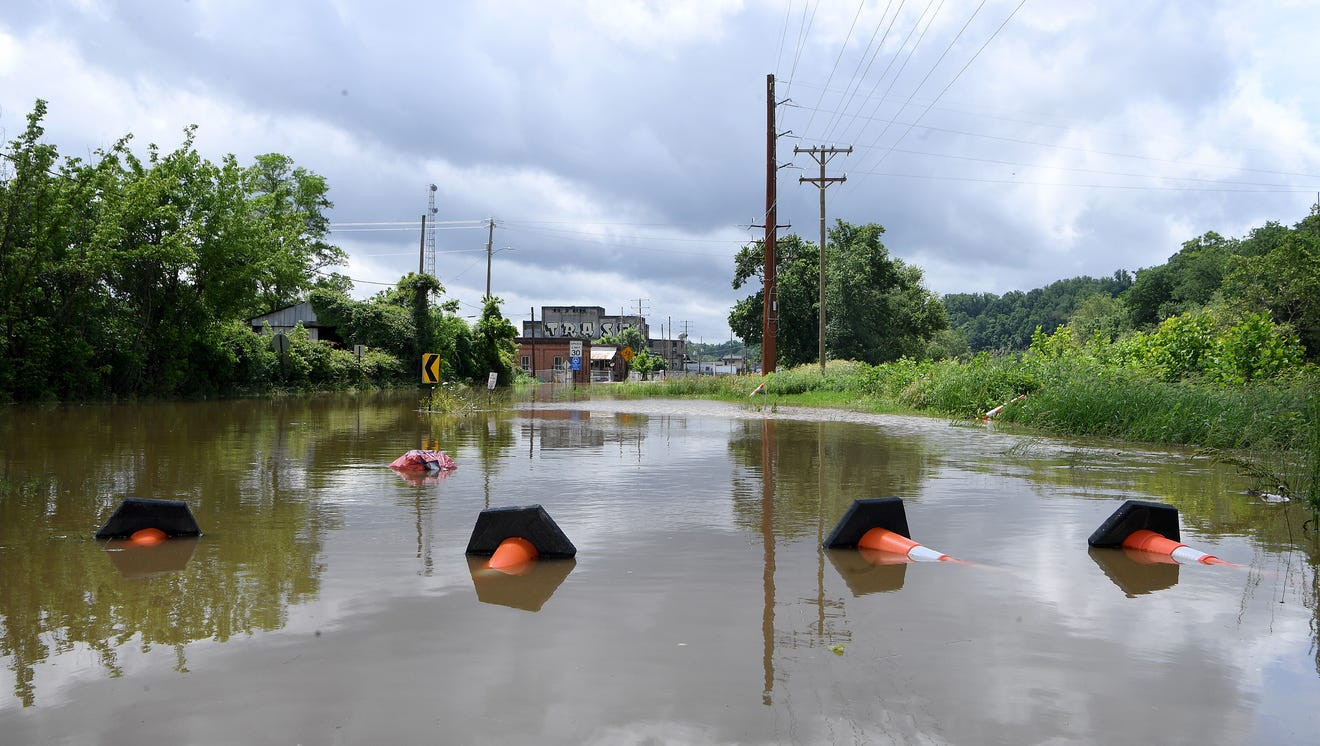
{"x": 1006, "y": 322}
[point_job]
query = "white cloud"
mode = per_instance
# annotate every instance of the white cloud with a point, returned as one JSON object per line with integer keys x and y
{"x": 1072, "y": 144}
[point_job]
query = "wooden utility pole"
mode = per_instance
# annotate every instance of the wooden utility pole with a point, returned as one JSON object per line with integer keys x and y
{"x": 421, "y": 250}
{"x": 490, "y": 239}
{"x": 822, "y": 155}
{"x": 769, "y": 291}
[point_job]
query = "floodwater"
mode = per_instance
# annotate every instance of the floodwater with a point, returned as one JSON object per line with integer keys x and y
{"x": 330, "y": 601}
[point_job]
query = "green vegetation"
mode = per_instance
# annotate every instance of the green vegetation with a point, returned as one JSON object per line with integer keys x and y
{"x": 1274, "y": 269}
{"x": 1268, "y": 426}
{"x": 992, "y": 322}
{"x": 124, "y": 276}
{"x": 877, "y": 308}
{"x": 1215, "y": 348}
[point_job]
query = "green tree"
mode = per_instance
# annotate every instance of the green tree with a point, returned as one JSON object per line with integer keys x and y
{"x": 877, "y": 308}
{"x": 633, "y": 337}
{"x": 1100, "y": 314}
{"x": 418, "y": 289}
{"x": 493, "y": 345}
{"x": 991, "y": 322}
{"x": 286, "y": 209}
{"x": 126, "y": 275}
{"x": 1184, "y": 283}
{"x": 1284, "y": 280}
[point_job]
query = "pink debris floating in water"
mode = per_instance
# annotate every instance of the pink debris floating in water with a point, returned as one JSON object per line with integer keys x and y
{"x": 418, "y": 460}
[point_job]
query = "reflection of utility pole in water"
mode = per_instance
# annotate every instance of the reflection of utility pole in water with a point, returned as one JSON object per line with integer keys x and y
{"x": 424, "y": 510}
{"x": 823, "y": 633}
{"x": 425, "y": 531}
{"x": 769, "y": 447}
{"x": 820, "y": 529}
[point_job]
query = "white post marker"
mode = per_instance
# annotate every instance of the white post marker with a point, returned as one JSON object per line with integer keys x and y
{"x": 490, "y": 382}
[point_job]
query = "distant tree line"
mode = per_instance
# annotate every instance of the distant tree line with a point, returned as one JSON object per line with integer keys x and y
{"x": 129, "y": 276}
{"x": 1273, "y": 270}
{"x": 1005, "y": 322}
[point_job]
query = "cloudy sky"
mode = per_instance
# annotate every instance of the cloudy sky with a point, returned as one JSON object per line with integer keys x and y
{"x": 620, "y": 145}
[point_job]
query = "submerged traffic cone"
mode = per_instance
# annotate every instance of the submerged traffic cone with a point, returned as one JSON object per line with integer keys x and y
{"x": 137, "y": 518}
{"x": 878, "y": 527}
{"x": 1149, "y": 527}
{"x": 147, "y": 537}
{"x": 512, "y": 553}
{"x": 1146, "y": 540}
{"x": 513, "y": 538}
{"x": 884, "y": 540}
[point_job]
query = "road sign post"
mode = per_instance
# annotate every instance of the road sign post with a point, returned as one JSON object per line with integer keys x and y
{"x": 575, "y": 355}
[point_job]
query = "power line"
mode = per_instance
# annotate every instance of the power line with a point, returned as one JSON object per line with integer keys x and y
{"x": 856, "y": 78}
{"x": 1132, "y": 187}
{"x": 897, "y": 75}
{"x": 414, "y": 223}
{"x": 839, "y": 58}
{"x": 411, "y": 229}
{"x": 1089, "y": 151}
{"x": 779, "y": 58}
{"x": 1097, "y": 172}
{"x": 932, "y": 69}
{"x": 803, "y": 32}
{"x": 955, "y": 77}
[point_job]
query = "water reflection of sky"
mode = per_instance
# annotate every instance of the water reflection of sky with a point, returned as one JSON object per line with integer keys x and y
{"x": 659, "y": 630}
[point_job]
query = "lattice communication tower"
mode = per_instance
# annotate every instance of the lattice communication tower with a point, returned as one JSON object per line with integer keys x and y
{"x": 430, "y": 231}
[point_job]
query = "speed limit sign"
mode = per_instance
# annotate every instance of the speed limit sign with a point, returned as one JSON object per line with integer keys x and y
{"x": 575, "y": 348}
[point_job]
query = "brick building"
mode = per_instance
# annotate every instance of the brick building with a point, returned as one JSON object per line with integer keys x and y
{"x": 544, "y": 344}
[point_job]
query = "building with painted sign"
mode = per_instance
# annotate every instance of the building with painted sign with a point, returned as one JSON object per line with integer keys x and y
{"x": 544, "y": 346}
{"x": 581, "y": 322}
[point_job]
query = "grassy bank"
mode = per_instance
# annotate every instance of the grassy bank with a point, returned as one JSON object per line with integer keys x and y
{"x": 1269, "y": 427}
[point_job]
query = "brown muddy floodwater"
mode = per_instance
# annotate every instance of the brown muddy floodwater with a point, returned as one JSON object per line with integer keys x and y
{"x": 330, "y": 602}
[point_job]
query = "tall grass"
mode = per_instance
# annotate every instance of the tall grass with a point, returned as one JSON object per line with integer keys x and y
{"x": 1274, "y": 424}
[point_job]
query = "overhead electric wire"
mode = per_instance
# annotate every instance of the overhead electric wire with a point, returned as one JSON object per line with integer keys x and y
{"x": 779, "y": 58}
{"x": 408, "y": 229}
{"x": 955, "y": 77}
{"x": 1133, "y": 187}
{"x": 906, "y": 59}
{"x": 803, "y": 32}
{"x": 616, "y": 243}
{"x": 553, "y": 231}
{"x": 970, "y": 111}
{"x": 478, "y": 222}
{"x": 1089, "y": 151}
{"x": 931, "y": 71}
{"x": 858, "y": 78}
{"x": 1074, "y": 169}
{"x": 837, "y": 59}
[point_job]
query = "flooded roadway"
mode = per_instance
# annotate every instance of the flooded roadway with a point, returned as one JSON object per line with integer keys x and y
{"x": 330, "y": 601}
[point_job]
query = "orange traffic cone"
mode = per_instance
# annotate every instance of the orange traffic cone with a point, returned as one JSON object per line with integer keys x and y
{"x": 514, "y": 538}
{"x": 514, "y": 555}
{"x": 147, "y": 537}
{"x": 1146, "y": 540}
{"x": 884, "y": 540}
{"x": 878, "y": 527}
{"x": 1152, "y": 527}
